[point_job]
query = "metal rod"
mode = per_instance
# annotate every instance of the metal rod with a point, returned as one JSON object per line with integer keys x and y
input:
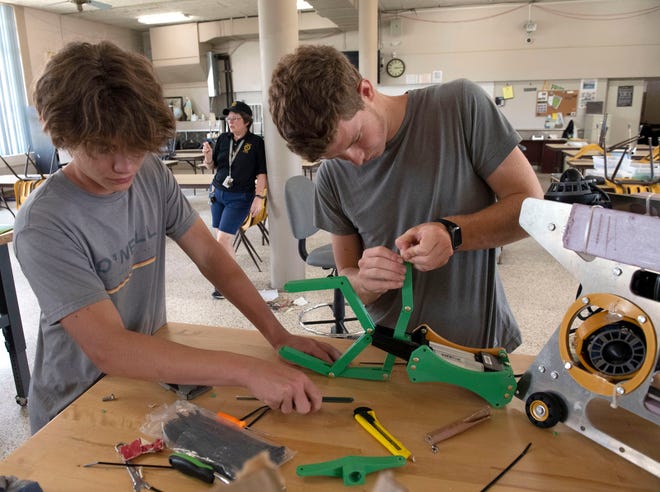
{"x": 125, "y": 465}
{"x": 326, "y": 399}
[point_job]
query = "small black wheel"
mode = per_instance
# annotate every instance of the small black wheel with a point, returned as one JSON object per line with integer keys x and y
{"x": 21, "y": 400}
{"x": 545, "y": 409}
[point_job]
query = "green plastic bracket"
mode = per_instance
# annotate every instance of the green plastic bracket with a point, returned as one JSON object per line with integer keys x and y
{"x": 496, "y": 387}
{"x": 340, "y": 283}
{"x": 353, "y": 469}
{"x": 406, "y": 306}
{"x": 341, "y": 365}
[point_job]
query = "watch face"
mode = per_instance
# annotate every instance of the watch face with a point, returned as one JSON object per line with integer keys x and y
{"x": 454, "y": 231}
{"x": 395, "y": 67}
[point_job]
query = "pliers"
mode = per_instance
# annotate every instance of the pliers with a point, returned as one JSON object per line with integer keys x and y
{"x": 135, "y": 473}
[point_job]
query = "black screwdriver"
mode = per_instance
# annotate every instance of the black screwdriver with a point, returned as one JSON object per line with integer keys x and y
{"x": 193, "y": 467}
{"x": 182, "y": 462}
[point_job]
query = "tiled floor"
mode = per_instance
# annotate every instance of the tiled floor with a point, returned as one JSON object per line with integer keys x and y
{"x": 538, "y": 289}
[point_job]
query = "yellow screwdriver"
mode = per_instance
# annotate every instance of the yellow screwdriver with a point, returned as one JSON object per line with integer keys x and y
{"x": 366, "y": 417}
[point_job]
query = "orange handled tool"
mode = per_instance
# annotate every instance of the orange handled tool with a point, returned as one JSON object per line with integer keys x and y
{"x": 242, "y": 422}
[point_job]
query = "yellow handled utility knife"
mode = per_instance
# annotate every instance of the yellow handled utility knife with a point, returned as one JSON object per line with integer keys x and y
{"x": 366, "y": 417}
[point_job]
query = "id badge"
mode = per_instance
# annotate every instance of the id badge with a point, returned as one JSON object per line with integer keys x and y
{"x": 228, "y": 182}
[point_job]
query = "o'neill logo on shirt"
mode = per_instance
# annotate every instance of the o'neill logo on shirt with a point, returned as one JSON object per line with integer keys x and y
{"x": 125, "y": 254}
{"x": 246, "y": 148}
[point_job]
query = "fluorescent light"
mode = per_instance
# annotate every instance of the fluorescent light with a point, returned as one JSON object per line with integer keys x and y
{"x": 165, "y": 18}
{"x": 302, "y": 5}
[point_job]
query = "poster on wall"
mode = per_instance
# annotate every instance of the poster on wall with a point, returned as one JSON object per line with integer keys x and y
{"x": 587, "y": 91}
{"x": 624, "y": 96}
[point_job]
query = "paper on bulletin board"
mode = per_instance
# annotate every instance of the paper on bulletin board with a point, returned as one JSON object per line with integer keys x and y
{"x": 507, "y": 92}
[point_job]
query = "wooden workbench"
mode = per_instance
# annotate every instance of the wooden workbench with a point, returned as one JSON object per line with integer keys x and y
{"x": 559, "y": 458}
{"x": 191, "y": 157}
{"x": 193, "y": 181}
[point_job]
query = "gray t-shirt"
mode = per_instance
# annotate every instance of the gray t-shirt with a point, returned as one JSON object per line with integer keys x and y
{"x": 451, "y": 139}
{"x": 76, "y": 249}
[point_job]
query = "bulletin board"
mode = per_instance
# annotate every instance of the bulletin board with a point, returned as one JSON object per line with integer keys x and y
{"x": 556, "y": 101}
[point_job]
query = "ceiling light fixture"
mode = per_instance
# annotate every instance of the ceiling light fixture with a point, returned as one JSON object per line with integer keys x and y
{"x": 302, "y": 5}
{"x": 166, "y": 18}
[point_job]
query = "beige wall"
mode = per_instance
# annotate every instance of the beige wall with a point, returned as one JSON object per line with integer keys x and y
{"x": 494, "y": 48}
{"x": 491, "y": 51}
{"x": 41, "y": 34}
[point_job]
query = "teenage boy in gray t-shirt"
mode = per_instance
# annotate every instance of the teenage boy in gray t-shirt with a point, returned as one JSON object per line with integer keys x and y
{"x": 91, "y": 242}
{"x": 433, "y": 177}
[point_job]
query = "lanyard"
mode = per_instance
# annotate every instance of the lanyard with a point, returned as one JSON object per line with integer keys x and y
{"x": 233, "y": 153}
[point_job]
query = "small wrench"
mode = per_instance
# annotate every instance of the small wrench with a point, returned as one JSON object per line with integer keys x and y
{"x": 136, "y": 474}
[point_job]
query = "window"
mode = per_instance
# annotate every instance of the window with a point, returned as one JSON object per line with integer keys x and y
{"x": 14, "y": 133}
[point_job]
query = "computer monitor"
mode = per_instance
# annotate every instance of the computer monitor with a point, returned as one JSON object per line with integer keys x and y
{"x": 41, "y": 146}
{"x": 167, "y": 150}
{"x": 354, "y": 58}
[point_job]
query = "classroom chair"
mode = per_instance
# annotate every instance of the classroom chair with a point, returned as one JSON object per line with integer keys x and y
{"x": 299, "y": 199}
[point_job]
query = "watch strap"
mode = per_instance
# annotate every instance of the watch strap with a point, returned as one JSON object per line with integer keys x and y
{"x": 454, "y": 231}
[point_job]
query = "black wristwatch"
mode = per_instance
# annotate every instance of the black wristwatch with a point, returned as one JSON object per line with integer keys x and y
{"x": 454, "y": 231}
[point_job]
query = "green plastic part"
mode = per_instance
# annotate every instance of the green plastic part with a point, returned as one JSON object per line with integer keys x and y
{"x": 496, "y": 387}
{"x": 353, "y": 469}
{"x": 406, "y": 306}
{"x": 341, "y": 365}
{"x": 340, "y": 283}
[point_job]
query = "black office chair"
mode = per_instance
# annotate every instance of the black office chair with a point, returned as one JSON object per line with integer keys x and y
{"x": 299, "y": 198}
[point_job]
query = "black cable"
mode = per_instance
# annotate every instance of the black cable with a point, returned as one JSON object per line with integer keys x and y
{"x": 264, "y": 409}
{"x": 492, "y": 482}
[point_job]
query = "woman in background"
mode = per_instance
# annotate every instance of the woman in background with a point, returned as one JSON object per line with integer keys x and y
{"x": 239, "y": 184}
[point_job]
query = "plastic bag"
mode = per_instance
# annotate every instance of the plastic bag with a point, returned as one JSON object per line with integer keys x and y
{"x": 187, "y": 428}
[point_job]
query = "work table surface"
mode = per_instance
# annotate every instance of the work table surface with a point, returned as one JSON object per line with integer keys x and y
{"x": 559, "y": 458}
{"x": 6, "y": 237}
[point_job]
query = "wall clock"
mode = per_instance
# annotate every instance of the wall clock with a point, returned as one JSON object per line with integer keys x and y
{"x": 395, "y": 67}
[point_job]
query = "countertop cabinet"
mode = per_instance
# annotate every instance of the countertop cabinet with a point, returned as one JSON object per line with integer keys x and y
{"x": 546, "y": 159}
{"x": 552, "y": 160}
{"x": 532, "y": 150}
